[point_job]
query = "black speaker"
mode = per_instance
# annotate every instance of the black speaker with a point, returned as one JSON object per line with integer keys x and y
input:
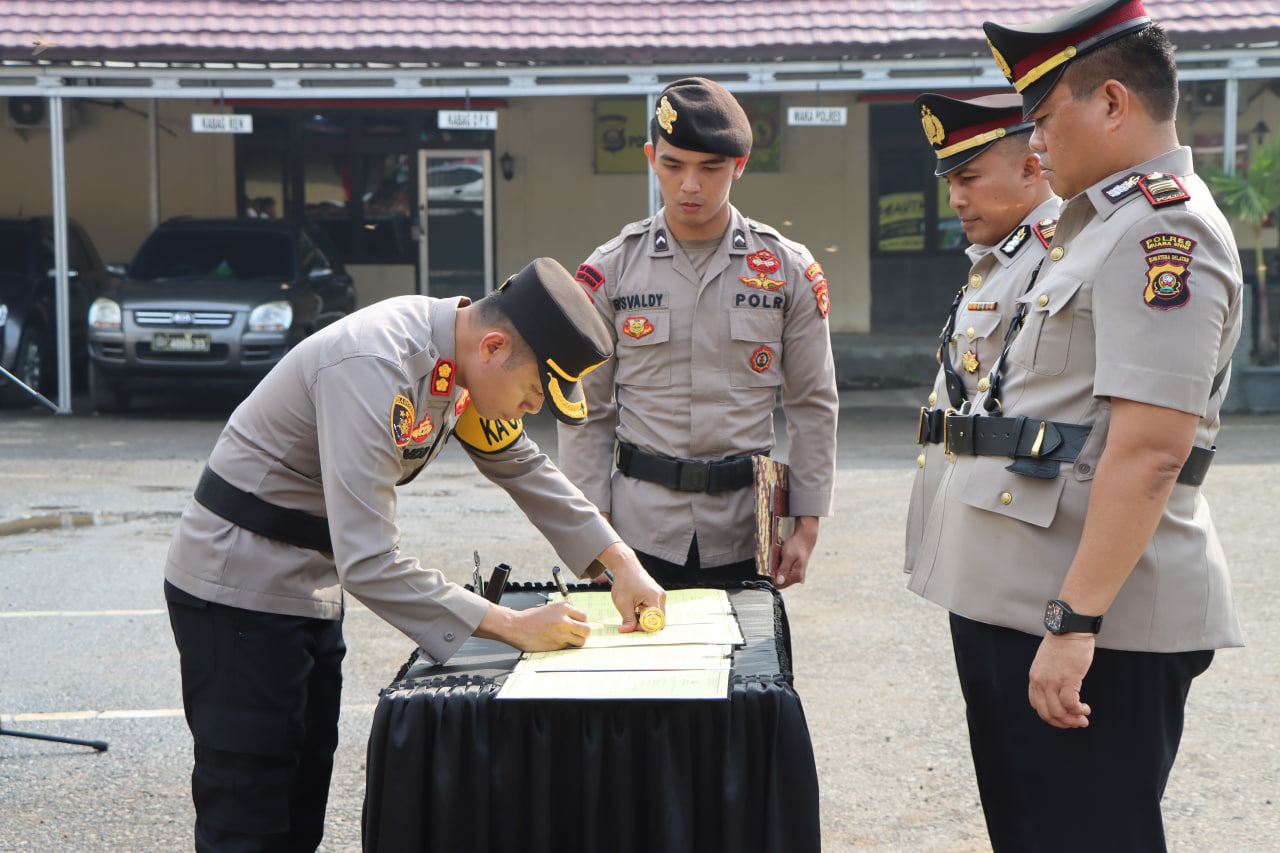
{"x": 27, "y": 110}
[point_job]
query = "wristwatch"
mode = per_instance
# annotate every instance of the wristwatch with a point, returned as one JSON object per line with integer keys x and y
{"x": 1059, "y": 618}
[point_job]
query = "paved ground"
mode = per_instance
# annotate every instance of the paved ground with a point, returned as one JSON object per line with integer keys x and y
{"x": 85, "y": 649}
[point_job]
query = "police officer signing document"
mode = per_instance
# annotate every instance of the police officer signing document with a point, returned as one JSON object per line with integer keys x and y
{"x": 297, "y": 504}
{"x": 999, "y": 192}
{"x": 711, "y": 313}
{"x": 1072, "y": 543}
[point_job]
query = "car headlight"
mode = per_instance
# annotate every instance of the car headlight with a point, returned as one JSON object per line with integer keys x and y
{"x": 271, "y": 317}
{"x": 104, "y": 314}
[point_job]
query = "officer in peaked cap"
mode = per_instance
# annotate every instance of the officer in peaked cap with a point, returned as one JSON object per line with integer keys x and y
{"x": 297, "y": 504}
{"x": 711, "y": 314}
{"x": 1033, "y": 57}
{"x": 1008, "y": 212}
{"x": 555, "y": 318}
{"x": 1102, "y": 589}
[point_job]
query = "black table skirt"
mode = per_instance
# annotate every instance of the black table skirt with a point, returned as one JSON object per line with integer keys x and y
{"x": 452, "y": 770}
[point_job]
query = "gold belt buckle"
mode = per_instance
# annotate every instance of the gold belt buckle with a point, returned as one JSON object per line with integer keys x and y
{"x": 1035, "y": 448}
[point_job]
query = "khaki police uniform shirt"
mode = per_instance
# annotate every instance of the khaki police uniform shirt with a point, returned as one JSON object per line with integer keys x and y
{"x": 698, "y": 363}
{"x": 350, "y": 413}
{"x": 999, "y": 275}
{"x": 1137, "y": 301}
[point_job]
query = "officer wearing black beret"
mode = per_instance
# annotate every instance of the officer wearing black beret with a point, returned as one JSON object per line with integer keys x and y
{"x": 710, "y": 314}
{"x": 1102, "y": 590}
{"x": 298, "y": 503}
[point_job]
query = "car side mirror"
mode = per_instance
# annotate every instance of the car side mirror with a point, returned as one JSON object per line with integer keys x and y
{"x": 117, "y": 270}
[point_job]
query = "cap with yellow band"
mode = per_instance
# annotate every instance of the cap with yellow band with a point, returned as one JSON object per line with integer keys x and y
{"x": 1033, "y": 56}
{"x": 961, "y": 130}
{"x": 555, "y": 317}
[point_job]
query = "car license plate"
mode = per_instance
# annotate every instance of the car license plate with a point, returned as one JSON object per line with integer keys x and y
{"x": 179, "y": 342}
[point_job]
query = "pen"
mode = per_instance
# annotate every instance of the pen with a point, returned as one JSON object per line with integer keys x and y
{"x": 555, "y": 575}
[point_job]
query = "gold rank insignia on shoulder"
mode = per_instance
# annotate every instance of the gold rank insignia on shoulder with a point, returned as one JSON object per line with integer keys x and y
{"x": 401, "y": 419}
{"x": 666, "y": 114}
{"x": 1044, "y": 231}
{"x": 1016, "y": 240}
{"x": 1161, "y": 188}
{"x": 487, "y": 436}
{"x": 442, "y": 378}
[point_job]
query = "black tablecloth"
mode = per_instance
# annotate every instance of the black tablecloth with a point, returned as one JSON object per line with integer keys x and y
{"x": 452, "y": 770}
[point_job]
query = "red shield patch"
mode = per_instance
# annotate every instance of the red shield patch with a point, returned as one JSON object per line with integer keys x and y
{"x": 460, "y": 405}
{"x": 637, "y": 327}
{"x": 824, "y": 299}
{"x": 764, "y": 262}
{"x": 1167, "y": 281}
{"x": 761, "y": 359}
{"x": 423, "y": 428}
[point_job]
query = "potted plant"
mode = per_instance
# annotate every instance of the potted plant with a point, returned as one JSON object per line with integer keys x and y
{"x": 1251, "y": 197}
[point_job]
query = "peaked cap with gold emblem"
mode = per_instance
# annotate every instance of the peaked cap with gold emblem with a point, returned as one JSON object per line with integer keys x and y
{"x": 1033, "y": 56}
{"x": 555, "y": 317}
{"x": 961, "y": 130}
{"x": 698, "y": 114}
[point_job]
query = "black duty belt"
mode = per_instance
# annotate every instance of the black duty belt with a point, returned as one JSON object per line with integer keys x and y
{"x": 1038, "y": 447}
{"x": 685, "y": 475}
{"x": 932, "y": 428}
{"x": 266, "y": 519}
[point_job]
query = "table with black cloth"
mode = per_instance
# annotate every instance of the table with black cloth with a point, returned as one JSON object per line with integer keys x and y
{"x": 450, "y": 769}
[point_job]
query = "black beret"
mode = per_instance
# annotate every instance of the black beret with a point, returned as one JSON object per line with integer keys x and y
{"x": 698, "y": 114}
{"x": 1033, "y": 56}
{"x": 961, "y": 130}
{"x": 555, "y": 316}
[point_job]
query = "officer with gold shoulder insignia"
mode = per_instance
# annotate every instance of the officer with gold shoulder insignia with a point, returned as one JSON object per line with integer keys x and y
{"x": 297, "y": 505}
{"x": 1008, "y": 211}
{"x": 711, "y": 314}
{"x": 1098, "y": 588}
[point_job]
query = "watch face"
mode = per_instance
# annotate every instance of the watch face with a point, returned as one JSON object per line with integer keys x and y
{"x": 1053, "y": 616}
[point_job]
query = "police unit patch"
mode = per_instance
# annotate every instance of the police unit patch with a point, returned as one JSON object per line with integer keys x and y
{"x": 442, "y": 378}
{"x": 460, "y": 404}
{"x": 1162, "y": 188}
{"x": 1167, "y": 270}
{"x": 814, "y": 272}
{"x": 761, "y": 281}
{"x": 637, "y": 327}
{"x": 1016, "y": 240}
{"x": 764, "y": 262}
{"x": 487, "y": 436}
{"x": 401, "y": 419}
{"x": 761, "y": 359}
{"x": 1044, "y": 231}
{"x": 589, "y": 276}
{"x": 824, "y": 298}
{"x": 969, "y": 361}
{"x": 423, "y": 428}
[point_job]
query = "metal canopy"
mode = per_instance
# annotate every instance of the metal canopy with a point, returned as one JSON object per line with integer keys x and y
{"x": 370, "y": 81}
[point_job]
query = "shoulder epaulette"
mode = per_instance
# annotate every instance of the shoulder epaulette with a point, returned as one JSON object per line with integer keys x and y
{"x": 630, "y": 230}
{"x": 1161, "y": 188}
{"x": 1044, "y": 231}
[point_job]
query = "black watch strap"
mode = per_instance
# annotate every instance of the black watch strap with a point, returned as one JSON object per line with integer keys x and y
{"x": 1059, "y": 618}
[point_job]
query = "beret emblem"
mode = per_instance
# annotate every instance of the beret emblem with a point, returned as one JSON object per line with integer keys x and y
{"x": 666, "y": 114}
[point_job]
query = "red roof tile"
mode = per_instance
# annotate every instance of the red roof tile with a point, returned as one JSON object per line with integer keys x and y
{"x": 604, "y": 31}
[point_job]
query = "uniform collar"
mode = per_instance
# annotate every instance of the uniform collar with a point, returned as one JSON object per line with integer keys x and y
{"x": 442, "y": 314}
{"x": 1175, "y": 162}
{"x": 735, "y": 240}
{"x": 1023, "y": 238}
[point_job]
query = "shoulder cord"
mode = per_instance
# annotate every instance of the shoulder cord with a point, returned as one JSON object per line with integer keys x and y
{"x": 992, "y": 403}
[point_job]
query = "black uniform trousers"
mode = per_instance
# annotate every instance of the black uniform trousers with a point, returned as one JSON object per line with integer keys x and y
{"x": 261, "y": 693}
{"x": 667, "y": 573}
{"x": 1097, "y": 788}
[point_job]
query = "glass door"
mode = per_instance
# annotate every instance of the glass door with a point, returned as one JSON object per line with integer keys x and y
{"x": 455, "y": 213}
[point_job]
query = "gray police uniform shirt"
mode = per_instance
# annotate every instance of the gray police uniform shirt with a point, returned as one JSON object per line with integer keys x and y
{"x": 1138, "y": 300}
{"x": 698, "y": 363}
{"x": 350, "y": 413}
{"x": 998, "y": 276}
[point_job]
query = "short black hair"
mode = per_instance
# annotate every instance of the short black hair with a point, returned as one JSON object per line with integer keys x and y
{"x": 492, "y": 315}
{"x": 1142, "y": 61}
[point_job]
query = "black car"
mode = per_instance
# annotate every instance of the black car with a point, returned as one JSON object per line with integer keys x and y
{"x": 211, "y": 304}
{"x": 28, "y": 305}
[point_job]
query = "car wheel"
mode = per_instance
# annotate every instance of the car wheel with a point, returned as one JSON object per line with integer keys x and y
{"x": 33, "y": 366}
{"x": 103, "y": 396}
